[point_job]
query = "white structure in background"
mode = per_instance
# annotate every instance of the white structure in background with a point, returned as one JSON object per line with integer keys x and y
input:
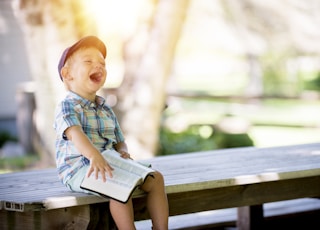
{"x": 13, "y": 67}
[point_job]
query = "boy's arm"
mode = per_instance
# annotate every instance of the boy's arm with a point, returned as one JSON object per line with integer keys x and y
{"x": 122, "y": 148}
{"x": 97, "y": 163}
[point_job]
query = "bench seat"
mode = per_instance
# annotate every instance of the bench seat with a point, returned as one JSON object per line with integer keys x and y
{"x": 245, "y": 178}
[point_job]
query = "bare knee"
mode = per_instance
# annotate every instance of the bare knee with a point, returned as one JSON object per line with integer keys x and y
{"x": 158, "y": 178}
{"x": 155, "y": 181}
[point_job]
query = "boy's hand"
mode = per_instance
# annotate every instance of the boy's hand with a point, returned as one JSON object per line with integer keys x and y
{"x": 121, "y": 148}
{"x": 97, "y": 162}
{"x": 99, "y": 165}
{"x": 124, "y": 154}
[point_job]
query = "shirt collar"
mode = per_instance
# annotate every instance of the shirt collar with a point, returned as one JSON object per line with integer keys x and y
{"x": 99, "y": 101}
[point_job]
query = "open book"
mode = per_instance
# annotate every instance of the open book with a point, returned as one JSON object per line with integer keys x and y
{"x": 127, "y": 175}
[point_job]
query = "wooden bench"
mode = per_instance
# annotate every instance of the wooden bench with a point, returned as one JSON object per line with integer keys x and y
{"x": 245, "y": 178}
{"x": 303, "y": 213}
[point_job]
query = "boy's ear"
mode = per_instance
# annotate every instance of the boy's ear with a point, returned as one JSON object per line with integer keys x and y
{"x": 65, "y": 73}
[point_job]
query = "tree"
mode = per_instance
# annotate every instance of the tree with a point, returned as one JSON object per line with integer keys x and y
{"x": 272, "y": 32}
{"x": 49, "y": 26}
{"x": 142, "y": 94}
{"x": 52, "y": 25}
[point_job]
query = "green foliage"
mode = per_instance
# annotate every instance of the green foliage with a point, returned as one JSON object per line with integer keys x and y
{"x": 230, "y": 140}
{"x": 273, "y": 73}
{"x": 189, "y": 140}
{"x": 9, "y": 164}
{"x": 277, "y": 79}
{"x": 17, "y": 163}
{"x": 313, "y": 84}
{"x": 4, "y": 137}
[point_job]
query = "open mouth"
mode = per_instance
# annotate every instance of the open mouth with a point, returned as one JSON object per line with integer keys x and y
{"x": 96, "y": 77}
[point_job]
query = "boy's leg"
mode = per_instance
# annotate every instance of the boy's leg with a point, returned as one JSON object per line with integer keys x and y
{"x": 157, "y": 202}
{"x": 122, "y": 214}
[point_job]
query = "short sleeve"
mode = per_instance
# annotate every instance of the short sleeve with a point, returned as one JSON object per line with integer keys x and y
{"x": 66, "y": 115}
{"x": 118, "y": 132}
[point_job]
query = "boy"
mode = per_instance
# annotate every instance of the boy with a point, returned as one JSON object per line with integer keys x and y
{"x": 86, "y": 126}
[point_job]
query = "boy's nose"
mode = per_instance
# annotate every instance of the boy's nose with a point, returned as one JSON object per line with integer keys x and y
{"x": 98, "y": 65}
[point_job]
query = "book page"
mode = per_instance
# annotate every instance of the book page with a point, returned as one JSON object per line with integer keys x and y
{"x": 129, "y": 165}
{"x": 120, "y": 186}
{"x": 123, "y": 178}
{"x": 126, "y": 176}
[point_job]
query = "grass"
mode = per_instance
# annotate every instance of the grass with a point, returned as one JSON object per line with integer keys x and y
{"x": 12, "y": 164}
{"x": 274, "y": 122}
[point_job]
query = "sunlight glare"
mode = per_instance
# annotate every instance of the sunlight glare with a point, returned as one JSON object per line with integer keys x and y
{"x": 115, "y": 16}
{"x": 205, "y": 131}
{"x": 316, "y": 152}
{"x": 245, "y": 179}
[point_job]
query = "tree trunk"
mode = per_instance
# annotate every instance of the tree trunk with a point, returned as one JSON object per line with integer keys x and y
{"x": 49, "y": 27}
{"x": 142, "y": 95}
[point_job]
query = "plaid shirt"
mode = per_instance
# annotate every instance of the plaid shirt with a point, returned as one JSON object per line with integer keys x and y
{"x": 98, "y": 122}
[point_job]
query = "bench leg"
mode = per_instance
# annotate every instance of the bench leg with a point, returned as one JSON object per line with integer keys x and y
{"x": 100, "y": 217}
{"x": 250, "y": 218}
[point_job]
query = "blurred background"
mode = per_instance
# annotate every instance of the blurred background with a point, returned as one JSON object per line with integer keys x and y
{"x": 183, "y": 75}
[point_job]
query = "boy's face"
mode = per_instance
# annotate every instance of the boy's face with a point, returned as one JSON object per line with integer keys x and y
{"x": 85, "y": 72}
